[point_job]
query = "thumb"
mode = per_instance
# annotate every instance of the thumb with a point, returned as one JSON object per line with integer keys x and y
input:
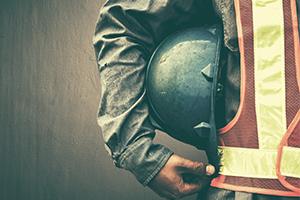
{"x": 197, "y": 168}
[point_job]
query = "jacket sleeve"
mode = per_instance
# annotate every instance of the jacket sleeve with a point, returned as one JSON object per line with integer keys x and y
{"x": 127, "y": 32}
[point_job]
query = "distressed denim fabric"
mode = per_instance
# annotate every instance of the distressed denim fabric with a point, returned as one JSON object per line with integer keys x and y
{"x": 127, "y": 32}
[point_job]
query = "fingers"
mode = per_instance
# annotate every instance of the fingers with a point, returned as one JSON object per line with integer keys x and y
{"x": 186, "y": 189}
{"x": 197, "y": 168}
{"x": 189, "y": 189}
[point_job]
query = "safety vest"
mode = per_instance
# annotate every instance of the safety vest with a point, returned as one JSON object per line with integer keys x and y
{"x": 260, "y": 147}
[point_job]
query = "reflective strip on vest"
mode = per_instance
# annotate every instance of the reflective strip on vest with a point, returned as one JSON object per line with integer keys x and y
{"x": 259, "y": 163}
{"x": 269, "y": 71}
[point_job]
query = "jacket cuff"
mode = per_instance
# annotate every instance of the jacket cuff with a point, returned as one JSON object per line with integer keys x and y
{"x": 144, "y": 159}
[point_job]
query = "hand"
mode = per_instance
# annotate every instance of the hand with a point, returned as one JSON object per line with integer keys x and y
{"x": 181, "y": 177}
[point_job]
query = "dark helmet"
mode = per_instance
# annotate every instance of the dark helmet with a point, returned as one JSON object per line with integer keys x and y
{"x": 181, "y": 85}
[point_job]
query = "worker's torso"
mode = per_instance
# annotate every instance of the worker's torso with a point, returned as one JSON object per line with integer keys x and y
{"x": 264, "y": 138}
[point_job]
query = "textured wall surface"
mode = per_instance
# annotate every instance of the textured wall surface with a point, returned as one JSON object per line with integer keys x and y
{"x": 50, "y": 145}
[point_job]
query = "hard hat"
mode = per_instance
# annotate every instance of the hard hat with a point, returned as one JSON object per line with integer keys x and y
{"x": 181, "y": 87}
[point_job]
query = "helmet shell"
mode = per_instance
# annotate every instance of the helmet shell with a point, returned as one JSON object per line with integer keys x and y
{"x": 181, "y": 83}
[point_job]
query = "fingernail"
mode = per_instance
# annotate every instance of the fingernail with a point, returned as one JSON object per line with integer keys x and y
{"x": 210, "y": 170}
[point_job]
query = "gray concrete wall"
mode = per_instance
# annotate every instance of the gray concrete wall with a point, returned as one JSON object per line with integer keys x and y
{"x": 50, "y": 145}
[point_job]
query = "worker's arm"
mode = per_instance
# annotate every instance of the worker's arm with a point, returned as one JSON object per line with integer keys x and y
{"x": 127, "y": 33}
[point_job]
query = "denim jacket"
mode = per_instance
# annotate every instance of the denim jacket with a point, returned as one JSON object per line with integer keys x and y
{"x": 127, "y": 32}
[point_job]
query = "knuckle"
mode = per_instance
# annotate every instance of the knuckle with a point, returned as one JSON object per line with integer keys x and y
{"x": 200, "y": 167}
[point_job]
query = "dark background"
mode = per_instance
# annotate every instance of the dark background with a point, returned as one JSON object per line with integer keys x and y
{"x": 51, "y": 147}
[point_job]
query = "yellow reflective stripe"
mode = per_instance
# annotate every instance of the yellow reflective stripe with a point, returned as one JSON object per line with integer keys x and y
{"x": 244, "y": 162}
{"x": 269, "y": 61}
{"x": 259, "y": 163}
{"x": 290, "y": 165}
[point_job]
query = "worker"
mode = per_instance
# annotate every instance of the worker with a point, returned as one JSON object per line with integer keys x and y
{"x": 261, "y": 71}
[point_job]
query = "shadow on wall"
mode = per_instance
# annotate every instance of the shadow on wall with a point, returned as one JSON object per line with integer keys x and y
{"x": 50, "y": 146}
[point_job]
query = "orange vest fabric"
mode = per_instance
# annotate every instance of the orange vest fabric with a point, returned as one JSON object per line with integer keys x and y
{"x": 260, "y": 114}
